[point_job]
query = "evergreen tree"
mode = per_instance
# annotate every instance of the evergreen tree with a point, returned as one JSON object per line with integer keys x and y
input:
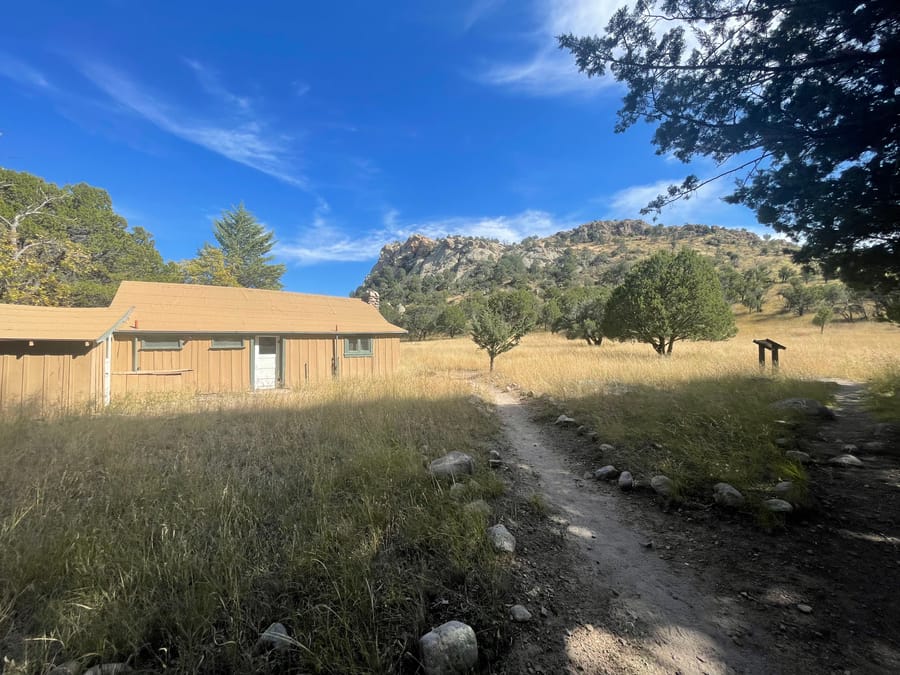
{"x": 666, "y": 298}
{"x": 246, "y": 246}
{"x": 504, "y": 319}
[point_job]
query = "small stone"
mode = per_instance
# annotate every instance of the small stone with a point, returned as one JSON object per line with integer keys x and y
{"x": 663, "y": 486}
{"x": 784, "y": 489}
{"x": 581, "y": 430}
{"x": 494, "y": 454}
{"x": 274, "y": 637}
{"x": 449, "y": 649}
{"x": 495, "y": 463}
{"x": 478, "y": 506}
{"x": 805, "y": 406}
{"x": 501, "y": 539}
{"x": 725, "y": 494}
{"x": 778, "y": 506}
{"x": 626, "y": 482}
{"x": 607, "y": 472}
{"x": 798, "y": 456}
{"x": 606, "y": 447}
{"x": 519, "y": 614}
{"x": 845, "y": 460}
{"x": 849, "y": 449}
{"x": 452, "y": 464}
{"x": 565, "y": 421}
{"x": 545, "y": 612}
{"x": 67, "y": 668}
{"x": 783, "y": 442}
{"x": 806, "y": 609}
{"x": 592, "y": 435}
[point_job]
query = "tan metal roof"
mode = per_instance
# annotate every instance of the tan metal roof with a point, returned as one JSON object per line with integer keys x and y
{"x": 22, "y": 322}
{"x": 192, "y": 309}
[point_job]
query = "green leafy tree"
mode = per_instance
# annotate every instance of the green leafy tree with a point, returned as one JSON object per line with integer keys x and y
{"x": 67, "y": 246}
{"x": 801, "y": 96}
{"x": 421, "y": 319}
{"x": 208, "y": 268}
{"x": 669, "y": 297}
{"x": 800, "y": 297}
{"x": 502, "y": 322}
{"x": 824, "y": 316}
{"x": 247, "y": 247}
{"x": 582, "y": 314}
{"x": 453, "y": 321}
{"x": 786, "y": 273}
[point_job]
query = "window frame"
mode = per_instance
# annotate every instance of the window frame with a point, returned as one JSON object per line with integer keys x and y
{"x": 223, "y": 339}
{"x": 163, "y": 344}
{"x": 361, "y": 352}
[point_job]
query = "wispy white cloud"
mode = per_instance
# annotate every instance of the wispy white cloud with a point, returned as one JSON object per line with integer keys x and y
{"x": 246, "y": 142}
{"x": 212, "y": 84}
{"x": 323, "y": 241}
{"x": 19, "y": 71}
{"x": 478, "y": 10}
{"x": 546, "y": 70}
{"x": 704, "y": 206}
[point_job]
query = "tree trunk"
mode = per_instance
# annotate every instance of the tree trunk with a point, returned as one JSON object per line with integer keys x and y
{"x": 491, "y": 369}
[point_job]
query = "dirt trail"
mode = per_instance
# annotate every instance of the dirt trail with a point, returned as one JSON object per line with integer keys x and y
{"x": 674, "y": 626}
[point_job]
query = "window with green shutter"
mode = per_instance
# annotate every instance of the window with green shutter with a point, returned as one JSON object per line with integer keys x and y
{"x": 358, "y": 346}
{"x": 226, "y": 343}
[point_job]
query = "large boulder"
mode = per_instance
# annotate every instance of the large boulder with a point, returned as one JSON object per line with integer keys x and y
{"x": 501, "y": 539}
{"x": 449, "y": 649}
{"x": 451, "y": 465}
{"x": 809, "y": 407}
{"x": 727, "y": 495}
{"x": 846, "y": 461}
{"x": 274, "y": 637}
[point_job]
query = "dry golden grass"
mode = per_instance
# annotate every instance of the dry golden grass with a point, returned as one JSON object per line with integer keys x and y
{"x": 547, "y": 363}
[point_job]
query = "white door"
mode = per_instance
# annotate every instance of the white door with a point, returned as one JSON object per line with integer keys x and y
{"x": 265, "y": 367}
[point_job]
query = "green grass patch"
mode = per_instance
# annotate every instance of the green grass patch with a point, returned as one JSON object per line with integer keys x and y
{"x": 883, "y": 399}
{"x": 172, "y": 542}
{"x": 700, "y": 432}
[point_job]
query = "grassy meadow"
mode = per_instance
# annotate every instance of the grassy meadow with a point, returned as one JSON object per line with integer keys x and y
{"x": 702, "y": 415}
{"x": 169, "y": 535}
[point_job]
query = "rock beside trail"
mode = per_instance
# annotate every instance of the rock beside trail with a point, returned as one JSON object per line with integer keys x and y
{"x": 478, "y": 506}
{"x": 451, "y": 465}
{"x": 494, "y": 454}
{"x": 778, "y": 506}
{"x": 449, "y": 649}
{"x": 725, "y": 494}
{"x": 798, "y": 456}
{"x": 849, "y": 449}
{"x": 67, "y": 668}
{"x": 606, "y": 447}
{"x": 783, "y": 442}
{"x": 845, "y": 460}
{"x": 607, "y": 472}
{"x": 501, "y": 539}
{"x": 804, "y": 608}
{"x": 805, "y": 406}
{"x": 783, "y": 489}
{"x": 663, "y": 486}
{"x": 274, "y": 637}
{"x": 565, "y": 421}
{"x": 519, "y": 614}
{"x": 626, "y": 480}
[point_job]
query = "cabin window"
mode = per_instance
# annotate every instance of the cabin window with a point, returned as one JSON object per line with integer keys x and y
{"x": 358, "y": 346}
{"x": 161, "y": 344}
{"x": 227, "y": 343}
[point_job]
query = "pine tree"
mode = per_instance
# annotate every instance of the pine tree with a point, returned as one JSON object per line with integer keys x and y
{"x": 246, "y": 246}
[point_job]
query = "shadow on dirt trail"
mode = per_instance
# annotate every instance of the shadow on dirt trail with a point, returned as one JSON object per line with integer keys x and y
{"x": 712, "y": 593}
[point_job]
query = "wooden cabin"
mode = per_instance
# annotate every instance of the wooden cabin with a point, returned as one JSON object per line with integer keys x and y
{"x": 55, "y": 357}
{"x": 195, "y": 339}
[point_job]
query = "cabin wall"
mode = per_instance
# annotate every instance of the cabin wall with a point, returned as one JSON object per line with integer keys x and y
{"x": 385, "y": 359}
{"x": 307, "y": 360}
{"x": 195, "y": 368}
{"x": 50, "y": 376}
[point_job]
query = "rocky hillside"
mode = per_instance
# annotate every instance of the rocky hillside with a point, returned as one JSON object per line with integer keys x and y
{"x": 599, "y": 252}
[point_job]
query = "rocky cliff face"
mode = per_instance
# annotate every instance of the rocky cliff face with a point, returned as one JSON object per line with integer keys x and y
{"x": 588, "y": 250}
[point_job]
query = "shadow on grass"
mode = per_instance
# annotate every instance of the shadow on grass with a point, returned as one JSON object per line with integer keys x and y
{"x": 172, "y": 541}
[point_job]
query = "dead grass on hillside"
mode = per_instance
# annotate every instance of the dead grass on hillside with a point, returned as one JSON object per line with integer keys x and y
{"x": 170, "y": 535}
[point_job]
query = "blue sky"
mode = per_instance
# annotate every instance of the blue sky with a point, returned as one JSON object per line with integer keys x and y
{"x": 341, "y": 127}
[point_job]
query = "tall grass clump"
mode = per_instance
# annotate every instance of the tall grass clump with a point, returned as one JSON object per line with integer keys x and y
{"x": 170, "y": 537}
{"x": 883, "y": 400}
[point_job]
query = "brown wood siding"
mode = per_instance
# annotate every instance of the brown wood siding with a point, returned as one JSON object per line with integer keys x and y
{"x": 49, "y": 376}
{"x": 195, "y": 368}
{"x": 306, "y": 360}
{"x": 384, "y": 360}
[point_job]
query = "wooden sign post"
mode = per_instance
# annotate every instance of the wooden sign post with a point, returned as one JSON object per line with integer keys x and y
{"x": 771, "y": 345}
